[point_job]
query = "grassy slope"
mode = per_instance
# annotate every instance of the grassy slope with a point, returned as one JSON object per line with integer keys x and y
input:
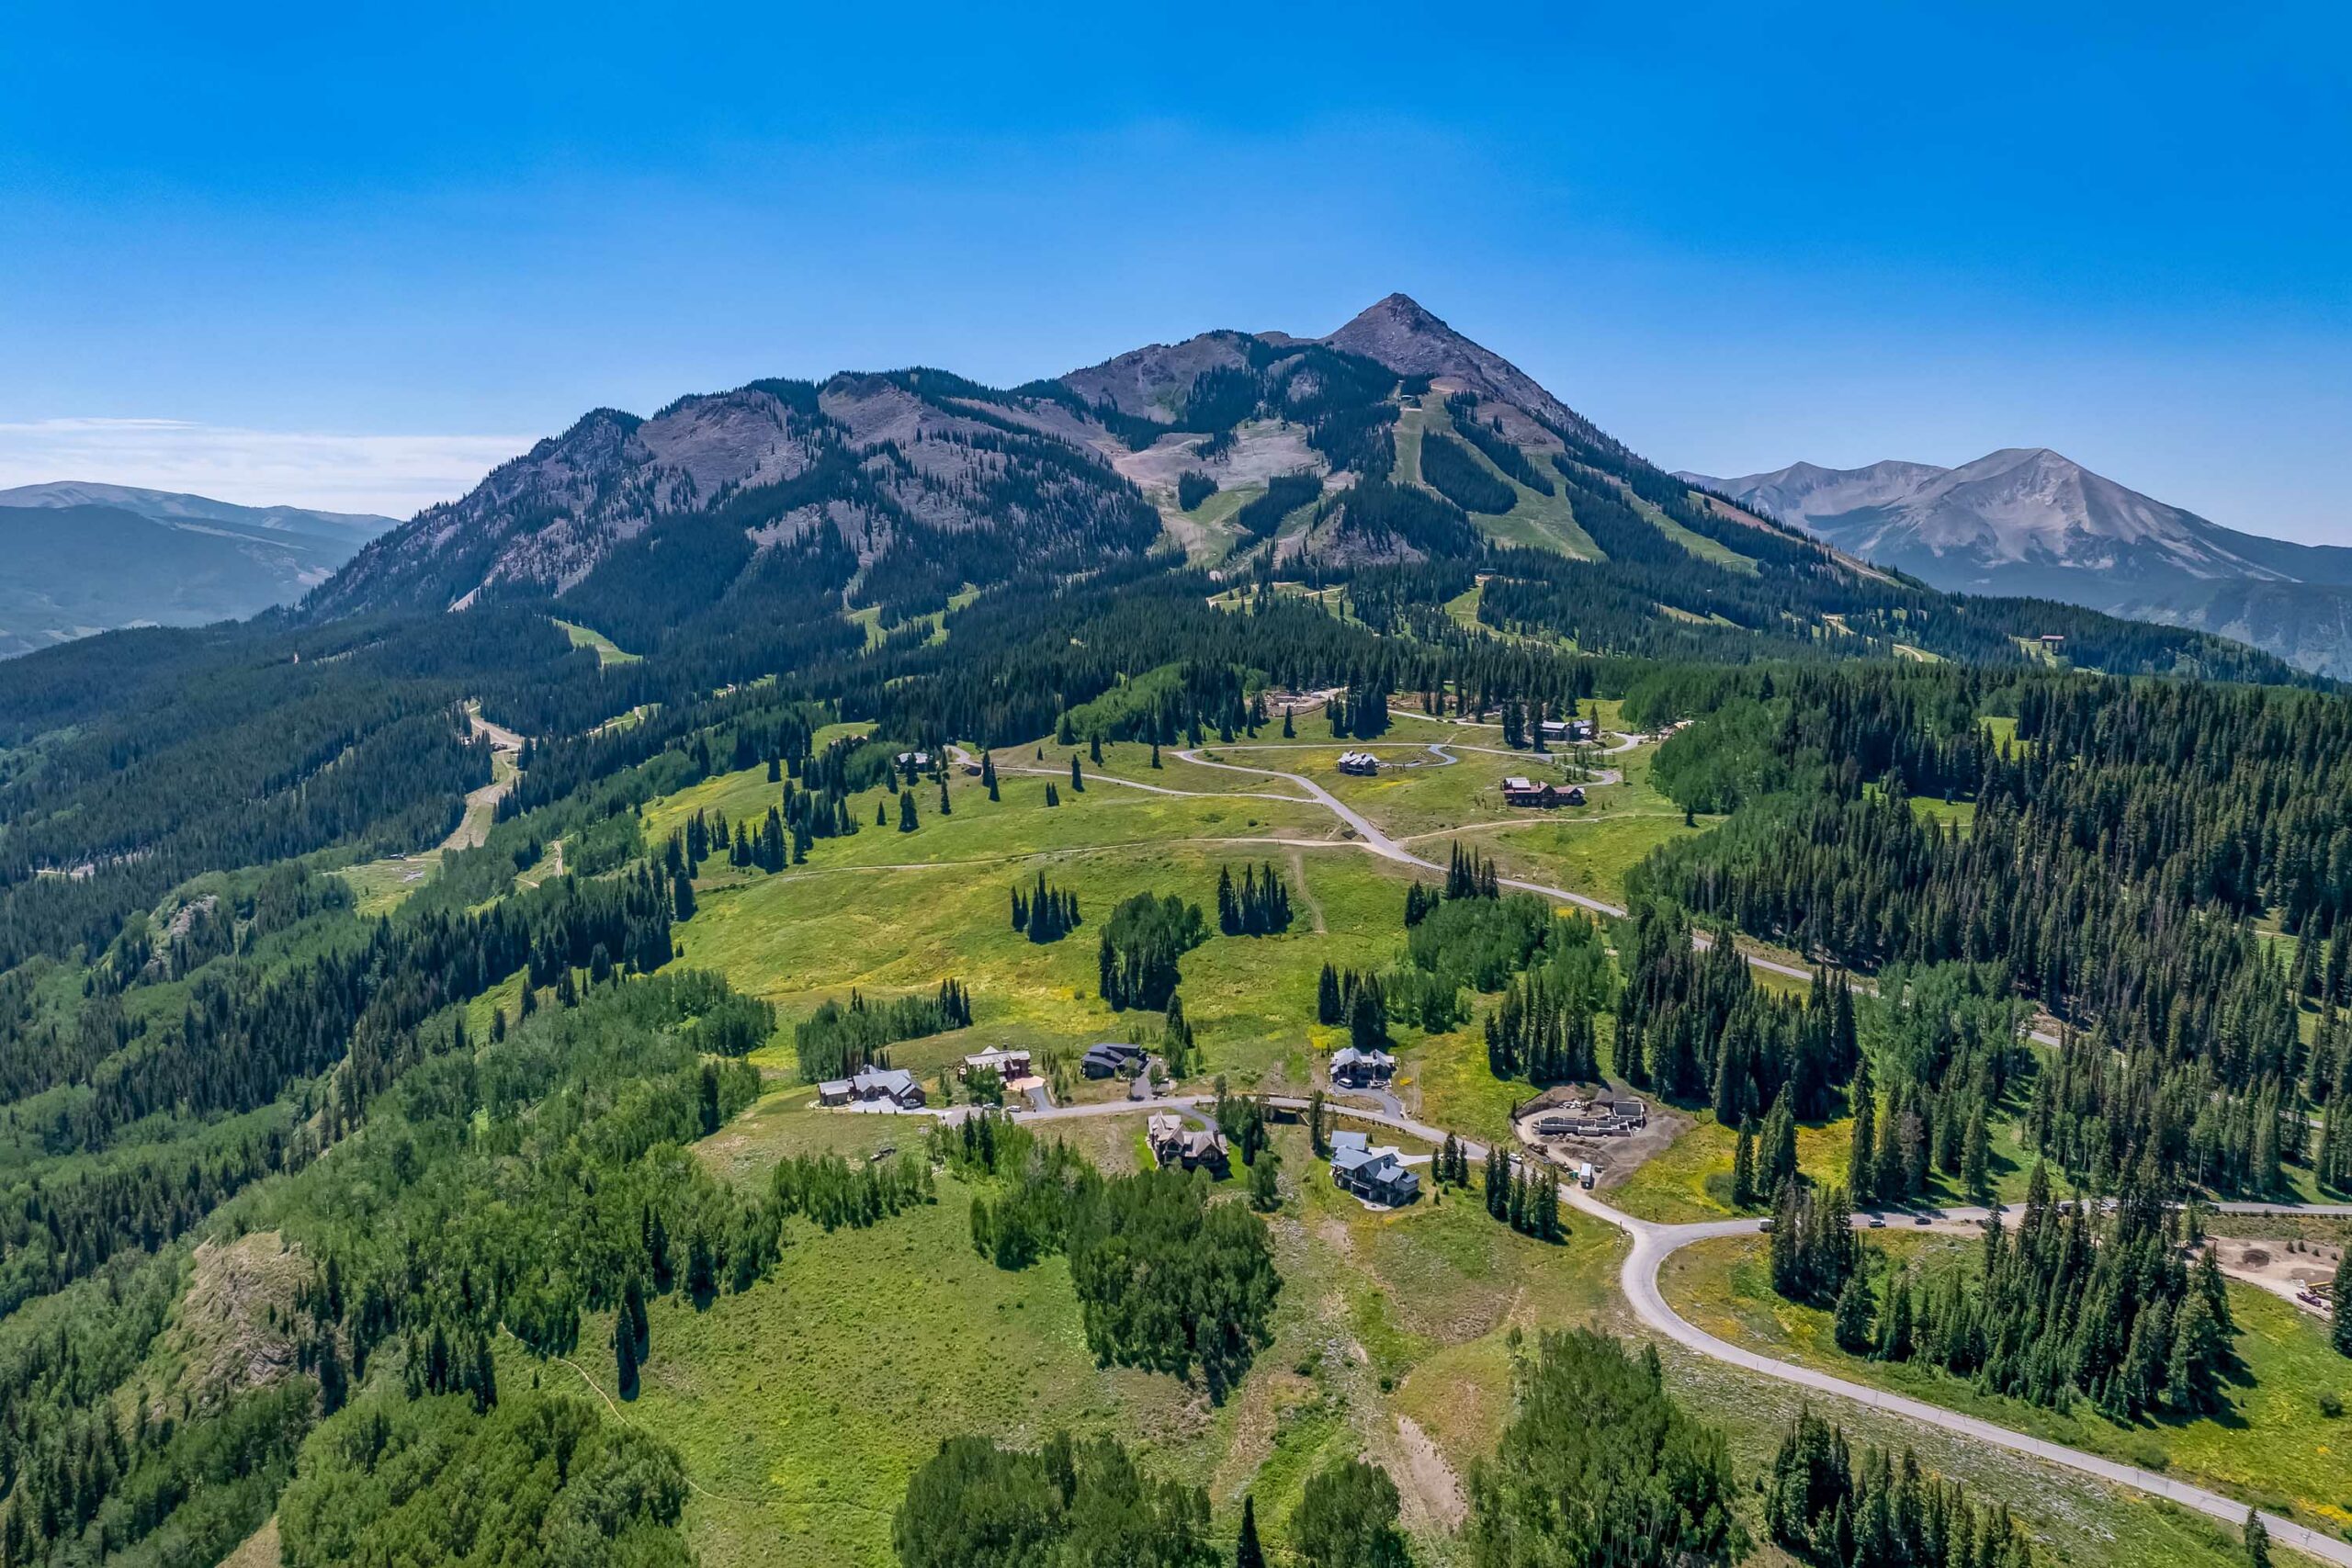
{"x": 800, "y": 1454}
{"x": 2272, "y": 1448}
{"x": 1541, "y": 522}
{"x": 607, "y": 652}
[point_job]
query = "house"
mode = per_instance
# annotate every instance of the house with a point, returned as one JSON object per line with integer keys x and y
{"x": 1172, "y": 1143}
{"x": 913, "y": 760}
{"x": 1573, "y": 730}
{"x": 1600, "y": 1118}
{"x": 1586, "y": 1174}
{"x": 2054, "y": 640}
{"x": 1522, "y": 791}
{"x": 1009, "y": 1062}
{"x": 1110, "y": 1060}
{"x": 1358, "y": 762}
{"x": 872, "y": 1086}
{"x": 1361, "y": 1069}
{"x": 1375, "y": 1175}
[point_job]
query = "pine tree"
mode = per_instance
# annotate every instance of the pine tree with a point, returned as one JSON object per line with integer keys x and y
{"x": 1851, "y": 1322}
{"x": 1975, "y": 1158}
{"x": 1077, "y": 779}
{"x": 2257, "y": 1540}
{"x": 1861, "y": 1158}
{"x": 1247, "y": 1553}
{"x": 2340, "y": 1326}
{"x": 1329, "y": 1009}
{"x": 1742, "y": 1169}
{"x": 625, "y": 1360}
{"x": 1264, "y": 1195}
{"x": 988, "y": 774}
{"x": 907, "y": 821}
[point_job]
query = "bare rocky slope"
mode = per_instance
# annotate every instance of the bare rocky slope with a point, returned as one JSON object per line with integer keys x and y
{"x": 907, "y": 483}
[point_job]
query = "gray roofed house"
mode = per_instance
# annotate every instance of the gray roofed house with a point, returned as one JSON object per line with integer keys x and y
{"x": 1358, "y": 1068}
{"x": 894, "y": 1084}
{"x": 1375, "y": 1175}
{"x": 1110, "y": 1059}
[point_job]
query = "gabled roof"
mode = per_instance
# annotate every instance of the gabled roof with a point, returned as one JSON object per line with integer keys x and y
{"x": 1347, "y": 1140}
{"x": 892, "y": 1081}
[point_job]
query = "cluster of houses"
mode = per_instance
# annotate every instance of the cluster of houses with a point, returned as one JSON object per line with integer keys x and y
{"x": 1519, "y": 791}
{"x": 1375, "y": 1175}
{"x": 1193, "y": 1148}
{"x": 1579, "y": 1118}
{"x": 894, "y": 1087}
{"x": 1358, "y": 762}
{"x": 1353, "y": 1068}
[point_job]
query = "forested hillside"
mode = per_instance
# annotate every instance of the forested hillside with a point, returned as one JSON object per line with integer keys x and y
{"x": 399, "y": 996}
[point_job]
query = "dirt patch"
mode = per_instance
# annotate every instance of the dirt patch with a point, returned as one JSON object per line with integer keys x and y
{"x": 235, "y": 1329}
{"x": 2295, "y": 1276}
{"x": 1614, "y": 1158}
{"x": 1432, "y": 1493}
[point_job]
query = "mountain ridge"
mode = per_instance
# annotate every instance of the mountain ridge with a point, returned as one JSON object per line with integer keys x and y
{"x": 2029, "y": 520}
{"x": 87, "y": 556}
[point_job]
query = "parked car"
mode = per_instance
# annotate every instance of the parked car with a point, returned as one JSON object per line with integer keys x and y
{"x": 1921, "y": 1219}
{"x": 1878, "y": 1222}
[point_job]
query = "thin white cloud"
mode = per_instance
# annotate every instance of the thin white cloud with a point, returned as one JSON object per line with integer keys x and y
{"x": 395, "y": 474}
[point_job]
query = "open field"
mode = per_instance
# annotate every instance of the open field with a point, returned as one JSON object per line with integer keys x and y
{"x": 607, "y": 652}
{"x": 801, "y": 1405}
{"x": 2273, "y": 1446}
{"x": 1690, "y": 1181}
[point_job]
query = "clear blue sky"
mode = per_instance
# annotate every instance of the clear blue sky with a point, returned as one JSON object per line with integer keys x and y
{"x": 355, "y": 256}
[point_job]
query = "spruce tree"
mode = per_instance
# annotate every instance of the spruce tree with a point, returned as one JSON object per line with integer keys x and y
{"x": 1247, "y": 1553}
{"x": 625, "y": 1359}
{"x": 2340, "y": 1326}
{"x": 1861, "y": 1158}
{"x": 1852, "y": 1322}
{"x": 2257, "y": 1540}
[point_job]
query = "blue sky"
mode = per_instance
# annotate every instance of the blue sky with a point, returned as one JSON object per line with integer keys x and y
{"x": 301, "y": 254}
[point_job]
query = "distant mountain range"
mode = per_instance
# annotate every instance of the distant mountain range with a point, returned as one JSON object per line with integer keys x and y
{"x": 2031, "y": 522}
{"x": 83, "y": 558}
{"x": 784, "y": 521}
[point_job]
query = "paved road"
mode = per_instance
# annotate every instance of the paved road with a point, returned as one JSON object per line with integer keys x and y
{"x": 1653, "y": 1244}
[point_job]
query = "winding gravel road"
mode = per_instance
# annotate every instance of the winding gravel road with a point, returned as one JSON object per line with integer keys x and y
{"x": 1653, "y": 1243}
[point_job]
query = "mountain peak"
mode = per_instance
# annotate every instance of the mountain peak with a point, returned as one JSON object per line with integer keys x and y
{"x": 1397, "y": 332}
